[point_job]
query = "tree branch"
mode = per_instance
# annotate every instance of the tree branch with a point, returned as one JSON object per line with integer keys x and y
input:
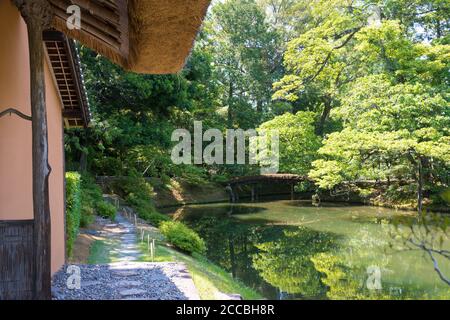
{"x": 343, "y": 44}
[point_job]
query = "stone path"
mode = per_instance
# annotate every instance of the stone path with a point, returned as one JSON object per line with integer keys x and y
{"x": 128, "y": 249}
{"x": 127, "y": 278}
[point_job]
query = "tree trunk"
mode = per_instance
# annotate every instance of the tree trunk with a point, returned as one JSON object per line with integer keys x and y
{"x": 419, "y": 185}
{"x": 259, "y": 107}
{"x": 438, "y": 29}
{"x": 37, "y": 14}
{"x": 292, "y": 191}
{"x": 230, "y": 105}
{"x": 232, "y": 256}
{"x": 83, "y": 162}
{"x": 324, "y": 117}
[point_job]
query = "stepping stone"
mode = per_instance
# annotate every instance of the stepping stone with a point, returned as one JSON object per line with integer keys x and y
{"x": 227, "y": 296}
{"x": 125, "y": 259}
{"x": 126, "y": 273}
{"x": 131, "y": 252}
{"x": 128, "y": 283}
{"x": 90, "y": 283}
{"x": 132, "y": 292}
{"x": 90, "y": 232}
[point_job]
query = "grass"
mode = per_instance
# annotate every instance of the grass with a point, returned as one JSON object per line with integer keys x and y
{"x": 101, "y": 252}
{"x": 208, "y": 278}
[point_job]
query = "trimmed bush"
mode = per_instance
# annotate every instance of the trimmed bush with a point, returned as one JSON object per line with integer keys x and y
{"x": 182, "y": 237}
{"x": 73, "y": 208}
{"x": 106, "y": 210}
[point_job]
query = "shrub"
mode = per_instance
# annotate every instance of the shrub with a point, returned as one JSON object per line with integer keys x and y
{"x": 446, "y": 196}
{"x": 87, "y": 214}
{"x": 134, "y": 187}
{"x": 106, "y": 210}
{"x": 91, "y": 195}
{"x": 73, "y": 208}
{"x": 182, "y": 237}
{"x": 138, "y": 193}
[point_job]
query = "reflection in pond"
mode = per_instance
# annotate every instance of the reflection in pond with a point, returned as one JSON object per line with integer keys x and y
{"x": 293, "y": 250}
{"x": 286, "y": 263}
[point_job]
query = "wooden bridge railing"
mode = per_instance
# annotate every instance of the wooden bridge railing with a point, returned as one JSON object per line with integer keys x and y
{"x": 284, "y": 178}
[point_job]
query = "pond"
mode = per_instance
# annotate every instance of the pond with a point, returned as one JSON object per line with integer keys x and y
{"x": 294, "y": 250}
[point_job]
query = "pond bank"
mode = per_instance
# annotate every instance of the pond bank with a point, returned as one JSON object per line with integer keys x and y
{"x": 176, "y": 193}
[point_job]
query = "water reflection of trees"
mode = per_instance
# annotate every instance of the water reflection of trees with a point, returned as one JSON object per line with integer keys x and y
{"x": 297, "y": 261}
{"x": 286, "y": 262}
{"x": 263, "y": 255}
{"x": 229, "y": 242}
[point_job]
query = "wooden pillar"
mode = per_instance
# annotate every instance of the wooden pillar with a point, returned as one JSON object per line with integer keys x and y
{"x": 230, "y": 190}
{"x": 37, "y": 15}
{"x": 292, "y": 191}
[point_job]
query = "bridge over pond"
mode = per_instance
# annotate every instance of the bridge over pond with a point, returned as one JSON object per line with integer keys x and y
{"x": 277, "y": 178}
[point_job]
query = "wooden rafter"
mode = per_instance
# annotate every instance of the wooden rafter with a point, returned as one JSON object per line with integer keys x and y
{"x": 66, "y": 70}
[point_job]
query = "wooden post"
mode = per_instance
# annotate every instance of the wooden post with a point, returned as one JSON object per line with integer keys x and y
{"x": 37, "y": 15}
{"x": 154, "y": 249}
{"x": 292, "y": 191}
{"x": 253, "y": 193}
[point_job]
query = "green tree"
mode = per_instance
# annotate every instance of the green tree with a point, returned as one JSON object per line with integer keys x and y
{"x": 298, "y": 142}
{"x": 246, "y": 59}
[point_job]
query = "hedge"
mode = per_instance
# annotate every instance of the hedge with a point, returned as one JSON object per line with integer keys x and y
{"x": 73, "y": 208}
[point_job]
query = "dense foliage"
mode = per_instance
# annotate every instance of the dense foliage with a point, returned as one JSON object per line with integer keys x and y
{"x": 138, "y": 193}
{"x": 91, "y": 196}
{"x": 73, "y": 209}
{"x": 106, "y": 210}
{"x": 358, "y": 91}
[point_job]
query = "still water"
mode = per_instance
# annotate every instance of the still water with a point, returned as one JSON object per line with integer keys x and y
{"x": 294, "y": 250}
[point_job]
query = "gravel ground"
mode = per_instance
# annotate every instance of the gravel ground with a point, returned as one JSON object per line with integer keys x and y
{"x": 127, "y": 280}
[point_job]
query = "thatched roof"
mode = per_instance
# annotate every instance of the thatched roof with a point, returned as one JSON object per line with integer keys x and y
{"x": 144, "y": 36}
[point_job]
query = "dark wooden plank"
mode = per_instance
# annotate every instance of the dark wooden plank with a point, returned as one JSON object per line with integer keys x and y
{"x": 16, "y": 260}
